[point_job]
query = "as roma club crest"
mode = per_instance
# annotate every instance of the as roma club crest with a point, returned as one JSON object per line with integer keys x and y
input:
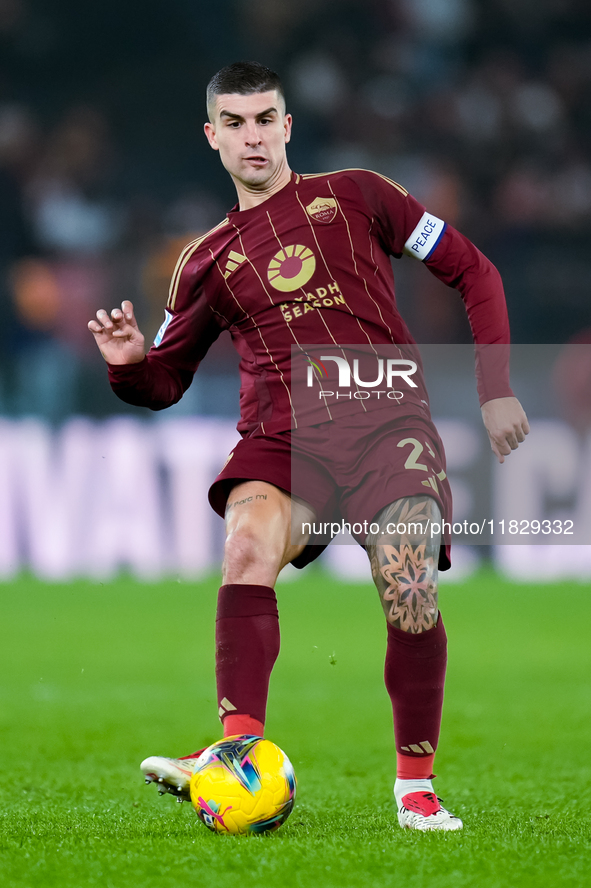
{"x": 322, "y": 209}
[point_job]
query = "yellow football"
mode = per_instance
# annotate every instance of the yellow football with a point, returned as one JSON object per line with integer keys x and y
{"x": 243, "y": 784}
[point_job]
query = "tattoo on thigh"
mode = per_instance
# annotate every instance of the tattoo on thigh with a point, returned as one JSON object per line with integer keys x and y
{"x": 247, "y": 499}
{"x": 404, "y": 560}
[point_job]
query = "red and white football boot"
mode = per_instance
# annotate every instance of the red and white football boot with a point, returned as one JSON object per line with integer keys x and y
{"x": 424, "y": 811}
{"x": 170, "y": 774}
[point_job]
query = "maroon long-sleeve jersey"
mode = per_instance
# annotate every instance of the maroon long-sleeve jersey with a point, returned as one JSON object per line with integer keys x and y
{"x": 310, "y": 266}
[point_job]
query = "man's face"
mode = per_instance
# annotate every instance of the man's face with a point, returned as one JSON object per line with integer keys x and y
{"x": 251, "y": 133}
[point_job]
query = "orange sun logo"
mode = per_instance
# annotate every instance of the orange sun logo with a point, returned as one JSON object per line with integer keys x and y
{"x": 291, "y": 268}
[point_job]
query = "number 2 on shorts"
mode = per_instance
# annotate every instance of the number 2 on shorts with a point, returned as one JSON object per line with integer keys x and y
{"x": 411, "y": 460}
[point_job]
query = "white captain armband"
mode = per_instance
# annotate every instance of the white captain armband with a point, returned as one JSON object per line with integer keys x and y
{"x": 162, "y": 330}
{"x": 425, "y": 237}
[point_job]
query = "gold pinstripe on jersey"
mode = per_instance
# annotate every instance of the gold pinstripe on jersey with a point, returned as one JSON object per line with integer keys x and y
{"x": 271, "y": 358}
{"x": 331, "y": 277}
{"x": 355, "y": 264}
{"x": 186, "y": 254}
{"x": 289, "y": 327}
{"x": 365, "y": 333}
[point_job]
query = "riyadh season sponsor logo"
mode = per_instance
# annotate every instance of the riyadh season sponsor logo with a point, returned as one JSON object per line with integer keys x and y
{"x": 291, "y": 268}
{"x": 387, "y": 372}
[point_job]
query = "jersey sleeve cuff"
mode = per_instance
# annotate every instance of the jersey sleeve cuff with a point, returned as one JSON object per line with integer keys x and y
{"x": 127, "y": 373}
{"x": 493, "y": 394}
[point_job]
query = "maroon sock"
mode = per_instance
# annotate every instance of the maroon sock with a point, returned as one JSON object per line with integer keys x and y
{"x": 415, "y": 676}
{"x": 247, "y": 645}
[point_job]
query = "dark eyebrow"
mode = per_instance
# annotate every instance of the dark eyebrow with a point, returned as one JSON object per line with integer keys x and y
{"x": 239, "y": 117}
{"x": 266, "y": 113}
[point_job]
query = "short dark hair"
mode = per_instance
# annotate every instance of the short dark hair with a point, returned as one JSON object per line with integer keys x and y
{"x": 243, "y": 78}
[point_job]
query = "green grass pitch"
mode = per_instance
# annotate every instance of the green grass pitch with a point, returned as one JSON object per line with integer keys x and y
{"x": 96, "y": 677}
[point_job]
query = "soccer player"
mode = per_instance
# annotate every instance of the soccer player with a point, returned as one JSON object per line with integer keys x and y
{"x": 306, "y": 259}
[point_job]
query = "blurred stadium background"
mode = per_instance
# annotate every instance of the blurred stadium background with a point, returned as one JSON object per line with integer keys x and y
{"x": 481, "y": 108}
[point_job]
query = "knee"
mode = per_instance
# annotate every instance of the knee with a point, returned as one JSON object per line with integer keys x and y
{"x": 413, "y": 610}
{"x": 250, "y": 558}
{"x": 407, "y": 585}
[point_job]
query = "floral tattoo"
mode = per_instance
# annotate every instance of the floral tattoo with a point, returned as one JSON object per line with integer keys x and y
{"x": 404, "y": 561}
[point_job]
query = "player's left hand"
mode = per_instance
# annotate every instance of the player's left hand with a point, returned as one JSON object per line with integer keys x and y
{"x": 506, "y": 423}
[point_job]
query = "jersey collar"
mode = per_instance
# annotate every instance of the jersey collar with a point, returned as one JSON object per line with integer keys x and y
{"x": 236, "y": 214}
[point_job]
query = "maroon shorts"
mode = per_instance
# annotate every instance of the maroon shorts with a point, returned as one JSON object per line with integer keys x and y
{"x": 347, "y": 471}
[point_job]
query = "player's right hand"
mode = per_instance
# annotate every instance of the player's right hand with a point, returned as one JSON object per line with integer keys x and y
{"x": 118, "y": 336}
{"x": 506, "y": 424}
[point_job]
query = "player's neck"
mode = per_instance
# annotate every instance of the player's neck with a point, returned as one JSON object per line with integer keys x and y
{"x": 251, "y": 196}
